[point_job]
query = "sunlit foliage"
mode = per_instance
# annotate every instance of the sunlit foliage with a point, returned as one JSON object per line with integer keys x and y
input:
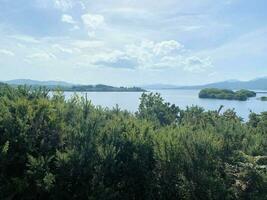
{"x": 51, "y": 148}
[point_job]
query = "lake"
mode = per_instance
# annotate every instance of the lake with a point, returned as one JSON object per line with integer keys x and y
{"x": 182, "y": 98}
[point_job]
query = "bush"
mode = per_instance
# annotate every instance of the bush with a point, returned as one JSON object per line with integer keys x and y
{"x": 51, "y": 148}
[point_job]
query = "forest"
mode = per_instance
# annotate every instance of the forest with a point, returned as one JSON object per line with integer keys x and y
{"x": 52, "y": 148}
{"x": 214, "y": 93}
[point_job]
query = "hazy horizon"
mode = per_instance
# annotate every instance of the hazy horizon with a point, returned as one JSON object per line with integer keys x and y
{"x": 133, "y": 42}
{"x": 140, "y": 85}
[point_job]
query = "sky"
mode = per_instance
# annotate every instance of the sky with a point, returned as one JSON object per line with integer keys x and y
{"x": 133, "y": 42}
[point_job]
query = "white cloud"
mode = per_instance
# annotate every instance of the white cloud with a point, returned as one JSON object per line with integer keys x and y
{"x": 166, "y": 47}
{"x": 62, "y": 49}
{"x": 119, "y": 62}
{"x": 42, "y": 56}
{"x": 111, "y": 55}
{"x": 196, "y": 64}
{"x": 93, "y": 21}
{"x": 63, "y": 4}
{"x": 187, "y": 63}
{"x": 188, "y": 28}
{"x": 214, "y": 73}
{"x": 149, "y": 55}
{"x": 153, "y": 55}
{"x": 110, "y": 58}
{"x": 75, "y": 27}
{"x": 82, "y": 44}
{"x": 67, "y": 19}
{"x": 25, "y": 38}
{"x": 82, "y": 4}
{"x": 142, "y": 52}
{"x": 6, "y": 52}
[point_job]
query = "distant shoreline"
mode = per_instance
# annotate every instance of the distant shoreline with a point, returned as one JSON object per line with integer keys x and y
{"x": 83, "y": 88}
{"x": 98, "y": 91}
{"x": 98, "y": 88}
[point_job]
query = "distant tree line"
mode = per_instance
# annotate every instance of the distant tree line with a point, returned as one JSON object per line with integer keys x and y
{"x": 88, "y": 88}
{"x": 103, "y": 88}
{"x": 51, "y": 148}
{"x": 214, "y": 93}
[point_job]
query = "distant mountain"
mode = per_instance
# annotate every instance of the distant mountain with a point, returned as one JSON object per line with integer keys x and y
{"x": 38, "y": 83}
{"x": 255, "y": 84}
{"x": 158, "y": 86}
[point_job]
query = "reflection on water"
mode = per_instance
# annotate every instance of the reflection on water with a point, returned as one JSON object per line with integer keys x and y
{"x": 182, "y": 98}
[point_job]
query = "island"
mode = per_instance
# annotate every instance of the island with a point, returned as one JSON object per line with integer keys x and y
{"x": 263, "y": 98}
{"x": 214, "y": 93}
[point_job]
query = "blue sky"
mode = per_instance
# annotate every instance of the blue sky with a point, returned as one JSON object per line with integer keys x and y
{"x": 133, "y": 42}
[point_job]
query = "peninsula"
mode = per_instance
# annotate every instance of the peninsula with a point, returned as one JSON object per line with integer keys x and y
{"x": 70, "y": 87}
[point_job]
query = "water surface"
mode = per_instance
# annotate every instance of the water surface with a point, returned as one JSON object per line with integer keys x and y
{"x": 182, "y": 98}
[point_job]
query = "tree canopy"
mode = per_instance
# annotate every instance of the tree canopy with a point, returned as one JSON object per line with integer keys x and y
{"x": 214, "y": 93}
{"x": 51, "y": 148}
{"x": 263, "y": 98}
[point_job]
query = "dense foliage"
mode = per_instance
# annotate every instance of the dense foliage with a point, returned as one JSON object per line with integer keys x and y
{"x": 263, "y": 98}
{"x": 213, "y": 93}
{"x": 51, "y": 148}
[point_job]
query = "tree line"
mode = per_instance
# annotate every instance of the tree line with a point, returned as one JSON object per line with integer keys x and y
{"x": 87, "y": 88}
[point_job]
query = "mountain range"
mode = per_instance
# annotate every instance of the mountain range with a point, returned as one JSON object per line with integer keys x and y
{"x": 65, "y": 86}
{"x": 255, "y": 84}
{"x": 38, "y": 83}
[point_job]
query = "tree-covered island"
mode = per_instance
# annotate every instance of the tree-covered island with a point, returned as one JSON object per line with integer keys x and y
{"x": 263, "y": 98}
{"x": 214, "y": 93}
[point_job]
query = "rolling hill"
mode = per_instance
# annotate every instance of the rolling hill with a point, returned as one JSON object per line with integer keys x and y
{"x": 37, "y": 83}
{"x": 255, "y": 84}
{"x": 65, "y": 86}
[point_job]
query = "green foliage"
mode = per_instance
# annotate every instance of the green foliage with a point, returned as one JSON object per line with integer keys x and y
{"x": 51, "y": 148}
{"x": 263, "y": 98}
{"x": 152, "y": 107}
{"x": 213, "y": 93}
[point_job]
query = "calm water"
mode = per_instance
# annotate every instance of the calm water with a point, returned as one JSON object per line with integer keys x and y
{"x": 182, "y": 98}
